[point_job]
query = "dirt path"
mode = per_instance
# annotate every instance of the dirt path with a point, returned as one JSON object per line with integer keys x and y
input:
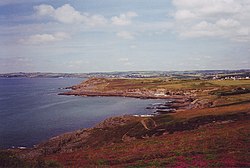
{"x": 145, "y": 121}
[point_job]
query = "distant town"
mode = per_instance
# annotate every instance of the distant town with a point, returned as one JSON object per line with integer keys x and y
{"x": 196, "y": 74}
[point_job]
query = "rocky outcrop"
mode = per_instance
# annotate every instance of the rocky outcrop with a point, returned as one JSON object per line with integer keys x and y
{"x": 85, "y": 138}
{"x": 122, "y": 129}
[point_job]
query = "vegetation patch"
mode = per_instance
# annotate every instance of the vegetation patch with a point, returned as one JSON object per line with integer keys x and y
{"x": 11, "y": 160}
{"x": 236, "y": 91}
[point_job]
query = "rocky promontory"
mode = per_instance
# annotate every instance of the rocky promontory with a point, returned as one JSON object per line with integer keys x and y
{"x": 182, "y": 96}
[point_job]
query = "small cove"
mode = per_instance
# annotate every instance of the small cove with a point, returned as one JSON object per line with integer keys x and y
{"x": 31, "y": 111}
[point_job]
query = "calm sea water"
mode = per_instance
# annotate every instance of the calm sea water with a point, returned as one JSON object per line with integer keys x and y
{"x": 31, "y": 111}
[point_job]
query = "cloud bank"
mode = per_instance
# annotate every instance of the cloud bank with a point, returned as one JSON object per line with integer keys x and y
{"x": 68, "y": 15}
{"x": 213, "y": 18}
{"x": 123, "y": 19}
{"x": 45, "y": 38}
{"x": 125, "y": 35}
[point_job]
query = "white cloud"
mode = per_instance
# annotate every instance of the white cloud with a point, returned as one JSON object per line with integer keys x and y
{"x": 123, "y": 19}
{"x": 213, "y": 18}
{"x": 125, "y": 35}
{"x": 43, "y": 10}
{"x": 125, "y": 61}
{"x": 184, "y": 14}
{"x": 45, "y": 38}
{"x": 67, "y": 14}
{"x": 15, "y": 64}
{"x": 242, "y": 35}
{"x": 209, "y": 7}
{"x": 95, "y": 20}
{"x": 243, "y": 31}
{"x": 133, "y": 46}
{"x": 76, "y": 64}
{"x": 227, "y": 23}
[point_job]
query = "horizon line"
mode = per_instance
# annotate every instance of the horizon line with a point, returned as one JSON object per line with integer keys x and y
{"x": 130, "y": 71}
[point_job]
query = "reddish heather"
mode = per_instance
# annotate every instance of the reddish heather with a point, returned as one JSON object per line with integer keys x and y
{"x": 212, "y": 145}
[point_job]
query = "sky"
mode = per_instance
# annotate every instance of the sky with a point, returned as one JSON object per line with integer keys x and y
{"x": 125, "y": 35}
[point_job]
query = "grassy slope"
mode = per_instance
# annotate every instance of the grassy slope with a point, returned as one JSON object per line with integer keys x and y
{"x": 216, "y": 142}
{"x": 194, "y": 88}
{"x": 104, "y": 84}
{"x": 210, "y": 145}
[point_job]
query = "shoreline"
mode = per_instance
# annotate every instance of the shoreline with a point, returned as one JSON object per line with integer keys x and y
{"x": 102, "y": 87}
{"x": 103, "y": 94}
{"x": 179, "y": 102}
{"x": 196, "y": 108}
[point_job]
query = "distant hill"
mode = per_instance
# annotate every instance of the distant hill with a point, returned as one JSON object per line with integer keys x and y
{"x": 194, "y": 74}
{"x": 43, "y": 75}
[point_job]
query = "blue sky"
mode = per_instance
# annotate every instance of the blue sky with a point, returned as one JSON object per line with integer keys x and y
{"x": 124, "y": 35}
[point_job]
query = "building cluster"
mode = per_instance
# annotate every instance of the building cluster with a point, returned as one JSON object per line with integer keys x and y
{"x": 230, "y": 77}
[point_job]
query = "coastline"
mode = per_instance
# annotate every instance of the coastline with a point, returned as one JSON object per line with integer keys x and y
{"x": 122, "y": 94}
{"x": 180, "y": 101}
{"x": 196, "y": 114}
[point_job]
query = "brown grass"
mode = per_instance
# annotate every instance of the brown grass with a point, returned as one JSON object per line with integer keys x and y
{"x": 210, "y": 145}
{"x": 213, "y": 111}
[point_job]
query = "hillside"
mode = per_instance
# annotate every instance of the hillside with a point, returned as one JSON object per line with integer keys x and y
{"x": 208, "y": 128}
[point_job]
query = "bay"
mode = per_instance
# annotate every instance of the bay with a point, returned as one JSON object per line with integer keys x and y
{"x": 31, "y": 111}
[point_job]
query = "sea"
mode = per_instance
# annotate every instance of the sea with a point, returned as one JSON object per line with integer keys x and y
{"x": 31, "y": 111}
